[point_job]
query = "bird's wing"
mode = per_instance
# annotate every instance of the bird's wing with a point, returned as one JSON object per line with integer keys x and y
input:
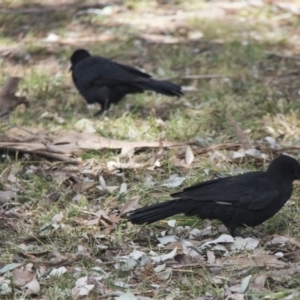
{"x": 134, "y": 71}
{"x": 100, "y": 71}
{"x": 251, "y": 190}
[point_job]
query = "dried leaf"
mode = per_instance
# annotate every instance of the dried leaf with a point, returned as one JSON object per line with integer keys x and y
{"x": 129, "y": 264}
{"x": 173, "y": 181}
{"x": 8, "y": 100}
{"x": 279, "y": 240}
{"x": 189, "y": 156}
{"x": 172, "y": 223}
{"x": 102, "y": 182}
{"x": 167, "y": 239}
{"x": 10, "y": 87}
{"x": 23, "y": 275}
{"x": 165, "y": 275}
{"x": 136, "y": 254}
{"x": 189, "y": 248}
{"x": 127, "y": 150}
{"x": 130, "y": 205}
{"x": 82, "y": 186}
{"x": 260, "y": 280}
{"x": 9, "y": 267}
{"x": 32, "y": 287}
{"x": 245, "y": 244}
{"x": 126, "y": 296}
{"x": 245, "y": 283}
{"x": 164, "y": 257}
{"x": 271, "y": 141}
{"x": 211, "y": 257}
{"x": 123, "y": 188}
{"x": 58, "y": 271}
{"x": 292, "y": 256}
{"x": 82, "y": 288}
{"x": 7, "y": 196}
{"x": 85, "y": 125}
{"x": 159, "y": 268}
{"x": 224, "y": 238}
{"x": 240, "y": 134}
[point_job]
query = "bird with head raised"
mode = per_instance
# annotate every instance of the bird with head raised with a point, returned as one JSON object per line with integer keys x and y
{"x": 100, "y": 80}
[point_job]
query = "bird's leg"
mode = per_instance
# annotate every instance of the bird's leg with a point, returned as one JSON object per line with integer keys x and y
{"x": 105, "y": 105}
{"x": 99, "y": 112}
{"x": 236, "y": 233}
{"x": 232, "y": 230}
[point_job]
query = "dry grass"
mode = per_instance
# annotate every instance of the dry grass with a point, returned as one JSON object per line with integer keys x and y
{"x": 254, "y": 48}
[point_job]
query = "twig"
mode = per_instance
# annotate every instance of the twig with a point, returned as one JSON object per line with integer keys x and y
{"x": 208, "y": 76}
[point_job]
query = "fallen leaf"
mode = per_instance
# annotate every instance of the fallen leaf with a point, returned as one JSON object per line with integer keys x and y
{"x": 159, "y": 268}
{"x": 23, "y": 275}
{"x": 9, "y": 267}
{"x": 189, "y": 248}
{"x": 58, "y": 271}
{"x": 292, "y": 256}
{"x": 164, "y": 257}
{"x": 240, "y": 134}
{"x": 271, "y": 141}
{"x": 211, "y": 257}
{"x": 7, "y": 196}
{"x": 85, "y": 125}
{"x": 167, "y": 239}
{"x": 165, "y": 275}
{"x": 8, "y": 99}
{"x": 121, "y": 283}
{"x": 260, "y": 280}
{"x": 173, "y": 181}
{"x": 130, "y": 205}
{"x": 244, "y": 244}
{"x": 129, "y": 264}
{"x": 82, "y": 287}
{"x": 126, "y": 296}
{"x": 136, "y": 254}
{"x": 224, "y": 238}
{"x": 245, "y": 283}
{"x": 189, "y": 156}
{"x": 172, "y": 223}
{"x": 279, "y": 240}
{"x": 32, "y": 287}
{"x": 123, "y": 188}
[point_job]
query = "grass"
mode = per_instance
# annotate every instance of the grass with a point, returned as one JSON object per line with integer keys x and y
{"x": 259, "y": 89}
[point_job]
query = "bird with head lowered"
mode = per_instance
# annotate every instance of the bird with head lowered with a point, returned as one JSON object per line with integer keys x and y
{"x": 247, "y": 199}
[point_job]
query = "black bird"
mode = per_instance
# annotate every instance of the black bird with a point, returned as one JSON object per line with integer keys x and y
{"x": 244, "y": 200}
{"x": 101, "y": 80}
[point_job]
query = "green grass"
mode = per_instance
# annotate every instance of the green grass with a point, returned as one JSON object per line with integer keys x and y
{"x": 258, "y": 90}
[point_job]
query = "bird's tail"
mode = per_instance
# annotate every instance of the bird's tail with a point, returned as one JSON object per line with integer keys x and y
{"x": 163, "y": 87}
{"x": 159, "y": 211}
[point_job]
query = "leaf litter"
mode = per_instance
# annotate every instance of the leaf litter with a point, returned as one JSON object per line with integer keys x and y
{"x": 88, "y": 200}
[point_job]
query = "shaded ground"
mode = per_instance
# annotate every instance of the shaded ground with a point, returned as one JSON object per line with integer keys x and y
{"x": 239, "y": 63}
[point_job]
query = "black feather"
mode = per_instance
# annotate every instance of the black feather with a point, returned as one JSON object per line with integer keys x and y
{"x": 247, "y": 199}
